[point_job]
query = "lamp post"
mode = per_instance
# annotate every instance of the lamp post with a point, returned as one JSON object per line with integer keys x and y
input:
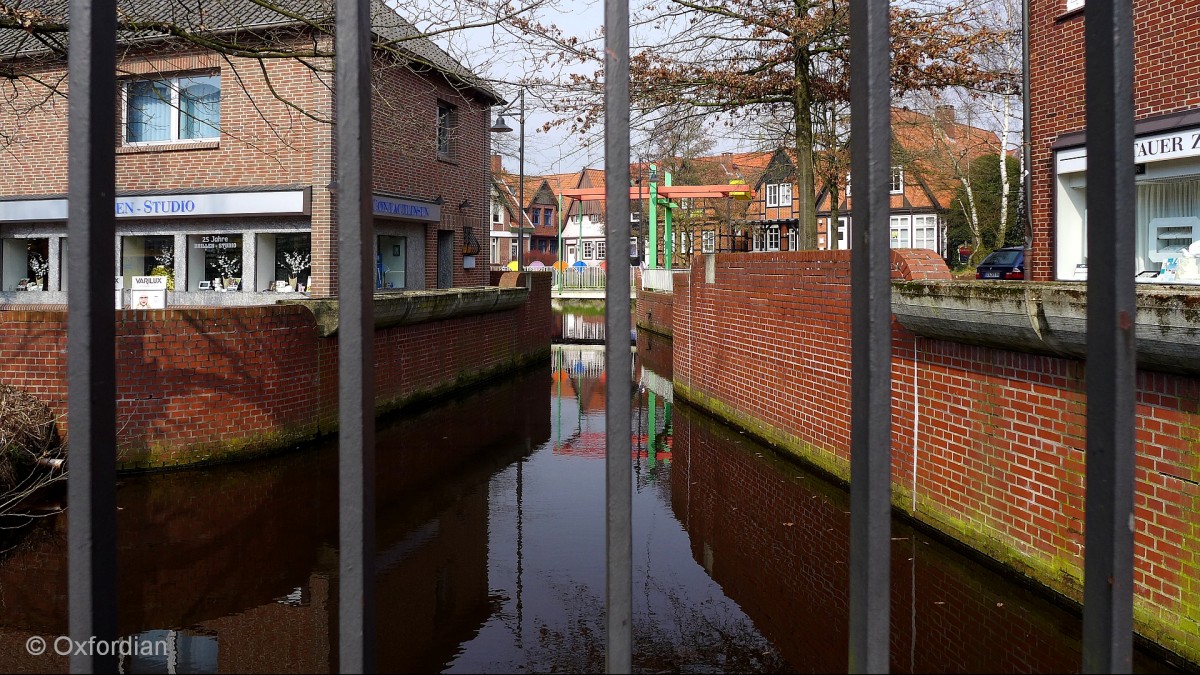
{"x": 501, "y": 127}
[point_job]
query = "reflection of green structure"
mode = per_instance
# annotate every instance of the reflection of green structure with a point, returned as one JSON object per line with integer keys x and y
{"x": 655, "y": 438}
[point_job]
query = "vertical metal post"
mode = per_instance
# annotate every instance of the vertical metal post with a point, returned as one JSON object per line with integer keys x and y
{"x": 1111, "y": 350}
{"x": 91, "y": 328}
{"x": 521, "y": 193}
{"x": 871, "y": 353}
{"x": 356, "y": 340}
{"x": 618, "y": 361}
{"x": 668, "y": 235}
{"x": 652, "y": 237}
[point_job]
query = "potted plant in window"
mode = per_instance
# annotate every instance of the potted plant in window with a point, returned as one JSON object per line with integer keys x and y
{"x": 165, "y": 266}
{"x": 297, "y": 262}
{"x": 39, "y": 265}
{"x": 229, "y": 267}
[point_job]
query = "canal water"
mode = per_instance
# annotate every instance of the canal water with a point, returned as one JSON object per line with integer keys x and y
{"x": 491, "y": 553}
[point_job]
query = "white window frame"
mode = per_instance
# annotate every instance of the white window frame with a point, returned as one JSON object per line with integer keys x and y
{"x": 708, "y": 241}
{"x": 588, "y": 249}
{"x": 512, "y": 249}
{"x": 925, "y": 231}
{"x": 601, "y": 249}
{"x": 779, "y": 194}
{"x": 791, "y": 239}
{"x": 1074, "y": 4}
{"x": 773, "y": 238}
{"x": 495, "y": 249}
{"x": 843, "y": 233}
{"x": 900, "y": 232}
{"x": 897, "y": 187}
{"x": 173, "y": 84}
{"x": 633, "y": 247}
{"x": 497, "y": 211}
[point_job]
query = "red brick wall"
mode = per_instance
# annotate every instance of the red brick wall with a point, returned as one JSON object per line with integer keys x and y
{"x": 654, "y": 311}
{"x": 1166, "y": 59}
{"x": 987, "y": 443}
{"x": 204, "y": 384}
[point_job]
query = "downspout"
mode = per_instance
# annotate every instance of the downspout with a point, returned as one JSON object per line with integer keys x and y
{"x": 1026, "y": 143}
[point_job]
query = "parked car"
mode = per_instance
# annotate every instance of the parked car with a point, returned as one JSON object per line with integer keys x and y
{"x": 1003, "y": 263}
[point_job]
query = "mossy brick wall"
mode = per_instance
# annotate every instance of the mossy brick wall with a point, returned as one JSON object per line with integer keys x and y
{"x": 198, "y": 385}
{"x": 1166, "y": 43}
{"x": 766, "y": 534}
{"x": 988, "y": 444}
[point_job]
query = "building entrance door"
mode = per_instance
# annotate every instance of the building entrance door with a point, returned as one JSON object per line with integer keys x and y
{"x": 445, "y": 263}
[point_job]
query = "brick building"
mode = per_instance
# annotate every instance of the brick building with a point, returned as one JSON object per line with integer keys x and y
{"x": 1167, "y": 149}
{"x": 225, "y": 161}
{"x": 929, "y": 153}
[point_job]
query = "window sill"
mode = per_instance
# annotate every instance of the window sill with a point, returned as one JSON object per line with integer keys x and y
{"x": 447, "y": 159}
{"x": 208, "y": 144}
{"x": 1070, "y": 14}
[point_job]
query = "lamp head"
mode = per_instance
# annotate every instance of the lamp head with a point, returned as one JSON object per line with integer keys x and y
{"x": 500, "y": 126}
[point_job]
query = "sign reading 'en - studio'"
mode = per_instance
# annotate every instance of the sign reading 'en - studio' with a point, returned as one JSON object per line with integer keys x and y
{"x": 276, "y": 202}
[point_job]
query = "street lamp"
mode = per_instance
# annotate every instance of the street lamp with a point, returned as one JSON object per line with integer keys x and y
{"x": 501, "y": 127}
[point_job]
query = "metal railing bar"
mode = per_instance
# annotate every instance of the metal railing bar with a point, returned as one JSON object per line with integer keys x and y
{"x": 871, "y": 335}
{"x": 357, "y": 635}
{"x": 1111, "y": 354}
{"x": 617, "y": 357}
{"x": 91, "y": 331}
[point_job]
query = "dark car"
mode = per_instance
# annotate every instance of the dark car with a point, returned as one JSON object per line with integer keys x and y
{"x": 1003, "y": 263}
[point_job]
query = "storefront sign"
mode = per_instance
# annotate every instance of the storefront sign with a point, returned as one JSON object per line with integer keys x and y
{"x": 406, "y": 209}
{"x": 148, "y": 293}
{"x": 167, "y": 206}
{"x": 212, "y": 242}
{"x": 1173, "y": 145}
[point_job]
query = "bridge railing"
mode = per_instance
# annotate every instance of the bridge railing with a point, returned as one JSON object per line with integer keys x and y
{"x": 581, "y": 279}
{"x": 659, "y": 279}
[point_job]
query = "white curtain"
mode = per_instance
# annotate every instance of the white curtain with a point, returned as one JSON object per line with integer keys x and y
{"x": 1163, "y": 200}
{"x": 148, "y": 111}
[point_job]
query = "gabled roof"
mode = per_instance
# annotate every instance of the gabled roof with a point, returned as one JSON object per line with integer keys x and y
{"x": 228, "y": 18}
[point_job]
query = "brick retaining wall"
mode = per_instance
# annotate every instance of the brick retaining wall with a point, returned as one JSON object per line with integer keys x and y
{"x": 987, "y": 443}
{"x": 203, "y": 384}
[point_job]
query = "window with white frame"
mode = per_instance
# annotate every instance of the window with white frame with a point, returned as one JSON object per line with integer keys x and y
{"x": 497, "y": 211}
{"x": 793, "y": 245}
{"x": 758, "y": 240}
{"x": 897, "y": 180}
{"x": 779, "y": 194}
{"x": 900, "y": 231}
{"x": 925, "y": 232}
{"x": 172, "y": 109}
{"x": 589, "y": 248}
{"x": 633, "y": 247}
{"x": 512, "y": 250}
{"x": 773, "y": 238}
{"x": 601, "y": 249}
{"x": 708, "y": 241}
{"x": 495, "y": 250}
{"x": 843, "y": 233}
{"x": 445, "y": 130}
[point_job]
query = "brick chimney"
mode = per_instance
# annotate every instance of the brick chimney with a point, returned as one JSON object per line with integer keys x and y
{"x": 946, "y": 119}
{"x": 497, "y": 164}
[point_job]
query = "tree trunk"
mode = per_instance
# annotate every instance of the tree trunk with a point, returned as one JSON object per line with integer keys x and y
{"x": 806, "y": 214}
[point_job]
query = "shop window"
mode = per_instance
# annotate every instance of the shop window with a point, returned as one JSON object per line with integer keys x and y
{"x": 172, "y": 109}
{"x": 26, "y": 265}
{"x": 152, "y": 255}
{"x": 217, "y": 261}
{"x": 392, "y": 262}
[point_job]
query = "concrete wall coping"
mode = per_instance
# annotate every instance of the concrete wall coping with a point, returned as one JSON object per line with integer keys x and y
{"x": 402, "y": 308}
{"x": 1049, "y": 318}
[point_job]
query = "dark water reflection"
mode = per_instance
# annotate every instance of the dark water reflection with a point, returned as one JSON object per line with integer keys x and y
{"x": 491, "y": 553}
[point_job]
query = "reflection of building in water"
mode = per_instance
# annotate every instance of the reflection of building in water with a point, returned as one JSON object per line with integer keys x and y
{"x": 580, "y": 328}
{"x": 579, "y": 362}
{"x": 237, "y": 567}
